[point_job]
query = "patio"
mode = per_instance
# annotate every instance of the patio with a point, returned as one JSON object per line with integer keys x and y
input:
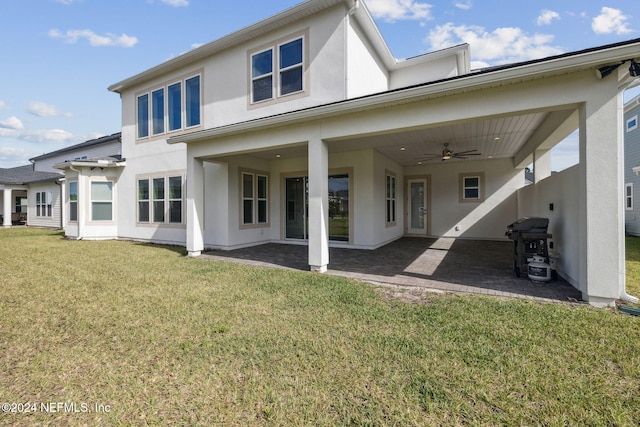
{"x": 445, "y": 264}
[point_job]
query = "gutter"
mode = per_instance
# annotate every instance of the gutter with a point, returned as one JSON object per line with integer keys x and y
{"x": 581, "y": 60}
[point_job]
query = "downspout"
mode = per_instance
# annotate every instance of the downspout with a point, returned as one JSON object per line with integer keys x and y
{"x": 62, "y": 198}
{"x": 623, "y": 294}
{"x": 79, "y": 210}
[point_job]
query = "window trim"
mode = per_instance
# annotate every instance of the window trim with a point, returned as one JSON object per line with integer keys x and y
{"x": 274, "y": 47}
{"x": 182, "y": 80}
{"x": 630, "y": 120}
{"x": 628, "y": 196}
{"x": 254, "y": 198}
{"x": 112, "y": 201}
{"x": 44, "y": 204}
{"x": 390, "y": 178}
{"x": 462, "y": 187}
{"x": 166, "y": 199}
{"x": 73, "y": 202}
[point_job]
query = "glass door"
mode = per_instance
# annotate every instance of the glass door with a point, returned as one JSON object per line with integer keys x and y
{"x": 417, "y": 218}
{"x": 297, "y": 207}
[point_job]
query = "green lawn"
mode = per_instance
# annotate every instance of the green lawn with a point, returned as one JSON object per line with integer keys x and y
{"x": 162, "y": 339}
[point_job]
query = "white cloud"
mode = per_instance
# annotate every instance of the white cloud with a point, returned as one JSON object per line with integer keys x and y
{"x": 395, "y": 10}
{"x": 72, "y": 36}
{"x": 546, "y": 16}
{"x": 177, "y": 3}
{"x": 610, "y": 21}
{"x": 57, "y": 136}
{"x": 12, "y": 156}
{"x": 464, "y": 5}
{"x": 500, "y": 46}
{"x": 12, "y": 123}
{"x": 3, "y": 105}
{"x": 68, "y": 2}
{"x": 42, "y": 109}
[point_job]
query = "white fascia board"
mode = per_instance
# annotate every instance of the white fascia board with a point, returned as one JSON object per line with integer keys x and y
{"x": 254, "y": 31}
{"x": 474, "y": 81}
{"x": 92, "y": 164}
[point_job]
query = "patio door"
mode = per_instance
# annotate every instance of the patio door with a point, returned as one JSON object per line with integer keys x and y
{"x": 417, "y": 206}
{"x": 297, "y": 207}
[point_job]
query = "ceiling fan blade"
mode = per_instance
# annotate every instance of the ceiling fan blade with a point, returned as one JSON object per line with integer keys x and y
{"x": 468, "y": 152}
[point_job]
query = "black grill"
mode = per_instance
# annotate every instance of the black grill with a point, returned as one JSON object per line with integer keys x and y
{"x": 529, "y": 237}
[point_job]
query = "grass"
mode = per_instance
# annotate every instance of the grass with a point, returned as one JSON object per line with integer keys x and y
{"x": 162, "y": 339}
{"x": 633, "y": 265}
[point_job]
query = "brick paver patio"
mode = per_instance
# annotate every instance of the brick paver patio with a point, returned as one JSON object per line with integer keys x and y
{"x": 451, "y": 265}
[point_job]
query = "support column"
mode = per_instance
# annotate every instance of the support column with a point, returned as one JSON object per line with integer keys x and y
{"x": 318, "y": 205}
{"x": 6, "y": 211}
{"x": 541, "y": 165}
{"x": 195, "y": 206}
{"x": 602, "y": 267}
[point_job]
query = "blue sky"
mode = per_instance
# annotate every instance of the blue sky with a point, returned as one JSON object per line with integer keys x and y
{"x": 59, "y": 56}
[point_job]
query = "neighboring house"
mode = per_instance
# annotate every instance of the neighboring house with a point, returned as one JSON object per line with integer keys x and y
{"x": 303, "y": 129}
{"x": 30, "y": 197}
{"x": 632, "y": 167}
{"x": 33, "y": 194}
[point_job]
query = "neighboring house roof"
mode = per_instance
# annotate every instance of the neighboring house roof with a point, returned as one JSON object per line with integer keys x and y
{"x": 92, "y": 142}
{"x": 591, "y": 58}
{"x": 22, "y": 175}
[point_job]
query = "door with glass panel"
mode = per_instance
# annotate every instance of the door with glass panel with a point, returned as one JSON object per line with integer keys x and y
{"x": 417, "y": 206}
{"x": 297, "y": 207}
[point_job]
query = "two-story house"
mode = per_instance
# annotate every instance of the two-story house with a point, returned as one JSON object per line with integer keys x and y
{"x": 304, "y": 129}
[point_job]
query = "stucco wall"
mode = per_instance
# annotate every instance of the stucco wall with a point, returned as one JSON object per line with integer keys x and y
{"x": 365, "y": 72}
{"x": 560, "y": 190}
{"x": 474, "y": 220}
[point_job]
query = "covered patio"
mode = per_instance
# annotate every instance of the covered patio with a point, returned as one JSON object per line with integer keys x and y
{"x": 443, "y": 264}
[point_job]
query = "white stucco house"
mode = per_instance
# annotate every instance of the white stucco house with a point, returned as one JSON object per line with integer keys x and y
{"x": 32, "y": 194}
{"x": 304, "y": 129}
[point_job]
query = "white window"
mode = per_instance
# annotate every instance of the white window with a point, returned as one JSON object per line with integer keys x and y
{"x": 628, "y": 197}
{"x": 43, "y": 204}
{"x": 278, "y": 70}
{"x": 73, "y": 201}
{"x": 390, "y": 199}
{"x": 101, "y": 201}
{"x": 172, "y": 107}
{"x": 632, "y": 123}
{"x": 160, "y": 199}
{"x": 255, "y": 200}
{"x": 471, "y": 187}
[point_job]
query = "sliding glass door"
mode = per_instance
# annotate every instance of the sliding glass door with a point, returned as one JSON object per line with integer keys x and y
{"x": 297, "y": 207}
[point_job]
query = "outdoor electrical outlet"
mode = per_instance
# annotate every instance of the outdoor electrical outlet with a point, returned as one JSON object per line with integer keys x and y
{"x": 457, "y": 228}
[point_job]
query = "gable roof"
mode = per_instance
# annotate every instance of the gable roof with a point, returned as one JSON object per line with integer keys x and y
{"x": 22, "y": 175}
{"x": 116, "y": 137}
{"x": 300, "y": 11}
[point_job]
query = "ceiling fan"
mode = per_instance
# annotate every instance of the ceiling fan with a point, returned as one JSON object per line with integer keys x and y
{"x": 448, "y": 154}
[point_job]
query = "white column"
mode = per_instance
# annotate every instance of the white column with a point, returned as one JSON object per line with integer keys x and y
{"x": 195, "y": 206}
{"x": 541, "y": 165}
{"x": 601, "y": 219}
{"x": 6, "y": 212}
{"x": 318, "y": 205}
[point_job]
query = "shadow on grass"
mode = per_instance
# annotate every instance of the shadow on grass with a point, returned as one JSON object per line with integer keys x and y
{"x": 179, "y": 250}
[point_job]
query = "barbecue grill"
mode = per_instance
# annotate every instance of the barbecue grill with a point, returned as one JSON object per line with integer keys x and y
{"x": 529, "y": 237}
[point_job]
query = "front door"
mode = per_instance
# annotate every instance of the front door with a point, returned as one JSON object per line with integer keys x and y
{"x": 417, "y": 206}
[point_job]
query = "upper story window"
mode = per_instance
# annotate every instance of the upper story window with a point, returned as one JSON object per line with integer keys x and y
{"x": 632, "y": 123}
{"x": 172, "y": 107}
{"x": 278, "y": 69}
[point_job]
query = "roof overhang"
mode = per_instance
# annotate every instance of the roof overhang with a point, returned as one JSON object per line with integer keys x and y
{"x": 100, "y": 163}
{"x": 293, "y": 14}
{"x": 482, "y": 79}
